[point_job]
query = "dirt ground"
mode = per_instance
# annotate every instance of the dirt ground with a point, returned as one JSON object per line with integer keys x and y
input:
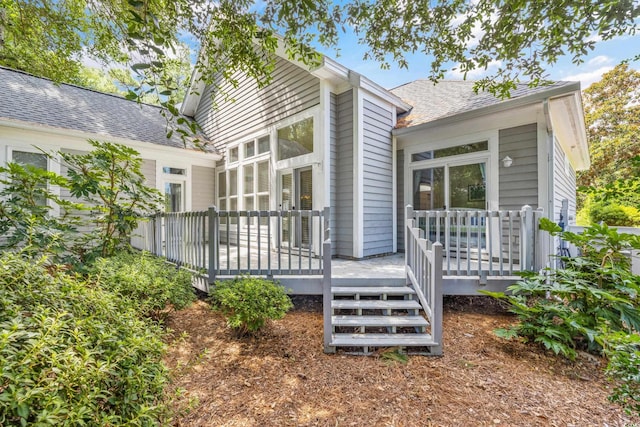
{"x": 282, "y": 377}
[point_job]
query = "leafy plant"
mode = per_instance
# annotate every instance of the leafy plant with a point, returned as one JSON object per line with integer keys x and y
{"x": 110, "y": 180}
{"x": 614, "y": 214}
{"x": 248, "y": 302}
{"x": 147, "y": 283}
{"x": 72, "y": 353}
{"x": 623, "y": 351}
{"x": 566, "y": 309}
{"x": 32, "y": 218}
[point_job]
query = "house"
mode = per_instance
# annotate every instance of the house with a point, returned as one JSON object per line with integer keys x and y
{"x": 35, "y": 112}
{"x": 328, "y": 136}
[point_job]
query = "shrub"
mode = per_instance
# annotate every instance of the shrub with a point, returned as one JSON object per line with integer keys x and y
{"x": 146, "y": 282}
{"x": 566, "y": 309}
{"x": 73, "y": 354}
{"x": 611, "y": 214}
{"x": 623, "y": 351}
{"x": 248, "y": 302}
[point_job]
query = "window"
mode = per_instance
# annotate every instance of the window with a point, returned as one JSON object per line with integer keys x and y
{"x": 450, "y": 151}
{"x": 249, "y": 149}
{"x": 233, "y": 154}
{"x": 296, "y": 139}
{"x": 248, "y": 187}
{"x": 263, "y": 185}
{"x": 264, "y": 145}
{"x": 222, "y": 191}
{"x": 174, "y": 171}
{"x": 173, "y": 196}
{"x": 37, "y": 160}
{"x": 25, "y": 158}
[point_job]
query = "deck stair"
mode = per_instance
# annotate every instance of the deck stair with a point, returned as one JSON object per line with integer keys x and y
{"x": 365, "y": 318}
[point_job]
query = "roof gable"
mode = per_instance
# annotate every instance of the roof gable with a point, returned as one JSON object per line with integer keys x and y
{"x": 447, "y": 98}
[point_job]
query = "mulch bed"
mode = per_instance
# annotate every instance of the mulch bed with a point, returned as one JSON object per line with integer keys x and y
{"x": 281, "y": 377}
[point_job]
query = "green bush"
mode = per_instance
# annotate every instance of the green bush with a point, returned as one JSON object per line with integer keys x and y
{"x": 146, "y": 282}
{"x": 248, "y": 302}
{"x": 623, "y": 351}
{"x": 73, "y": 354}
{"x": 612, "y": 214}
{"x": 568, "y": 308}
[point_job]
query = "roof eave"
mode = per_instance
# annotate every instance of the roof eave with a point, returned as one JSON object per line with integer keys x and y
{"x": 491, "y": 109}
{"x": 38, "y": 127}
{"x": 567, "y": 122}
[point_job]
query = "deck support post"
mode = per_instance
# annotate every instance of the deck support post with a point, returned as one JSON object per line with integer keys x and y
{"x": 436, "y": 298}
{"x": 326, "y": 284}
{"x": 213, "y": 243}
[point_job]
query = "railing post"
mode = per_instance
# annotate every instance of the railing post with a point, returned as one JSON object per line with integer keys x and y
{"x": 436, "y": 297}
{"x": 158, "y": 234}
{"x": 326, "y": 284}
{"x": 213, "y": 243}
{"x": 527, "y": 243}
{"x": 408, "y": 216}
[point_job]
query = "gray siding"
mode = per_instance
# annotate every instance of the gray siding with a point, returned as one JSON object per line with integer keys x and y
{"x": 247, "y": 108}
{"x": 400, "y": 199}
{"x": 333, "y": 154}
{"x": 342, "y": 236}
{"x": 519, "y": 183}
{"x": 149, "y": 171}
{"x": 202, "y": 188}
{"x": 564, "y": 183}
{"x": 378, "y": 180}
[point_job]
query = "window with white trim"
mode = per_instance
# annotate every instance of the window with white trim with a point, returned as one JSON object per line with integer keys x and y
{"x": 35, "y": 159}
{"x": 174, "y": 180}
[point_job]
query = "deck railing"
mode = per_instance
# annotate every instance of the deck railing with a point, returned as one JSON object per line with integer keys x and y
{"x": 267, "y": 243}
{"x": 481, "y": 243}
{"x": 423, "y": 261}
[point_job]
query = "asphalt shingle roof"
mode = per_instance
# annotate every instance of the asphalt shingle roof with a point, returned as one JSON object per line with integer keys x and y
{"x": 450, "y": 97}
{"x": 37, "y": 100}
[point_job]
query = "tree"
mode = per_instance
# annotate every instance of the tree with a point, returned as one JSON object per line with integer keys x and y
{"x": 51, "y": 37}
{"x": 612, "y": 116}
{"x": 109, "y": 179}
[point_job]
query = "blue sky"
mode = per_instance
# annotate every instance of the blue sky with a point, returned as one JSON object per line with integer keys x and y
{"x": 603, "y": 58}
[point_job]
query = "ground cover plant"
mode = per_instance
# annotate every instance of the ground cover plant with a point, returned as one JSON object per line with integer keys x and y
{"x": 249, "y": 302}
{"x": 73, "y": 353}
{"x": 585, "y": 305}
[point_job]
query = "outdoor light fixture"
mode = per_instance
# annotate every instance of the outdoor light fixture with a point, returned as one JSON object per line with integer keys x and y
{"x": 507, "y": 162}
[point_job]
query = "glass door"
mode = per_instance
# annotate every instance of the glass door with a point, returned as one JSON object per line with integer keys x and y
{"x": 296, "y": 193}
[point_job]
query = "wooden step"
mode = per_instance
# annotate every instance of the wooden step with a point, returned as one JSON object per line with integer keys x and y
{"x": 348, "y": 304}
{"x": 372, "y": 290}
{"x": 382, "y": 321}
{"x": 381, "y": 340}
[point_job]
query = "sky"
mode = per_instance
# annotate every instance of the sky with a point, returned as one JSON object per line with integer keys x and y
{"x": 605, "y": 56}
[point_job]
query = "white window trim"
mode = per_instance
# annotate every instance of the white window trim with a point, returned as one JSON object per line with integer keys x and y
{"x": 52, "y": 166}
{"x": 490, "y": 156}
{"x": 163, "y": 178}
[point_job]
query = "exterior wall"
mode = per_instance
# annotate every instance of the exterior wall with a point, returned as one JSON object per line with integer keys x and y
{"x": 378, "y": 179}
{"x": 518, "y": 184}
{"x": 291, "y": 91}
{"x": 22, "y": 137}
{"x": 564, "y": 183}
{"x": 342, "y": 237}
{"x": 149, "y": 171}
{"x": 203, "y": 187}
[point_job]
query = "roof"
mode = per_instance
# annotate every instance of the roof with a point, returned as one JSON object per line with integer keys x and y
{"x": 451, "y": 97}
{"x": 42, "y": 102}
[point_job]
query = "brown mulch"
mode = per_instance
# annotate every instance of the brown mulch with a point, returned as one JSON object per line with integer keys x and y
{"x": 281, "y": 377}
